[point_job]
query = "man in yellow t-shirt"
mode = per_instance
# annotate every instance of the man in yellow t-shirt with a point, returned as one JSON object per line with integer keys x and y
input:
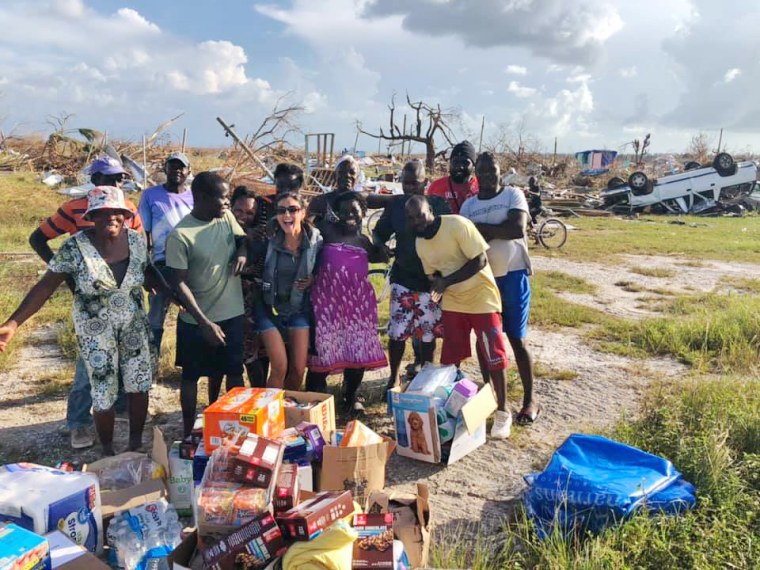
{"x": 453, "y": 255}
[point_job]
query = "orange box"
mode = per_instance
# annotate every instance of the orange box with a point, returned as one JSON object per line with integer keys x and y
{"x": 251, "y": 410}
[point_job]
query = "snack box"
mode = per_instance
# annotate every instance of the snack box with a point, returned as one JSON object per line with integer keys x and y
{"x": 248, "y": 410}
{"x": 287, "y": 489}
{"x": 251, "y": 546}
{"x": 314, "y": 408}
{"x": 311, "y": 517}
{"x": 374, "y": 547}
{"x": 312, "y": 434}
{"x": 258, "y": 461}
{"x": 190, "y": 443}
{"x": 297, "y": 448}
{"x": 21, "y": 549}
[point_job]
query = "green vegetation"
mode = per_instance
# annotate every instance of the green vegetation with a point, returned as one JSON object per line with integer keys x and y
{"x": 711, "y": 432}
{"x": 550, "y": 373}
{"x": 745, "y": 284}
{"x": 549, "y": 310}
{"x": 729, "y": 239}
{"x": 709, "y": 332}
{"x": 559, "y": 281}
{"x": 653, "y": 271}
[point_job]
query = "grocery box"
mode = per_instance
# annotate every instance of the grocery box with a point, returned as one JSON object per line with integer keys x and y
{"x": 374, "y": 546}
{"x": 355, "y": 469}
{"x": 251, "y": 546}
{"x": 136, "y": 495}
{"x": 312, "y": 516}
{"x": 411, "y": 519}
{"x": 247, "y": 410}
{"x": 258, "y": 461}
{"x": 321, "y": 411}
{"x": 21, "y": 549}
{"x": 287, "y": 489}
{"x": 416, "y": 426}
{"x": 66, "y": 555}
{"x": 41, "y": 499}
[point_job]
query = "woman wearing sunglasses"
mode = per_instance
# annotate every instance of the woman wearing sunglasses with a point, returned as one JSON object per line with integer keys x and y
{"x": 283, "y": 316}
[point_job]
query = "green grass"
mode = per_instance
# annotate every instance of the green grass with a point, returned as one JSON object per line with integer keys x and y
{"x": 547, "y": 372}
{"x": 559, "y": 281}
{"x": 548, "y": 310}
{"x": 709, "y": 332}
{"x": 710, "y": 430}
{"x": 600, "y": 239}
{"x": 745, "y": 284}
{"x": 653, "y": 271}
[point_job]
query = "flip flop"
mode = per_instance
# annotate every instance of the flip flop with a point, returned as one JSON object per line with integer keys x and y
{"x": 526, "y": 419}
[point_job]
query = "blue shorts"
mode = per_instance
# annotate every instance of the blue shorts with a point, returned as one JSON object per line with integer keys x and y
{"x": 515, "y": 302}
{"x": 266, "y": 320}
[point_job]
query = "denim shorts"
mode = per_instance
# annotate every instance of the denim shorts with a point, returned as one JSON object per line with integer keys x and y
{"x": 266, "y": 320}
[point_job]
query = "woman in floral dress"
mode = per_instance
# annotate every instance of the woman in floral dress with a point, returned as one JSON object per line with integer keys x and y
{"x": 107, "y": 264}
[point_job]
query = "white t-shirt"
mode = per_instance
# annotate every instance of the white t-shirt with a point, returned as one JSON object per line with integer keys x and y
{"x": 504, "y": 255}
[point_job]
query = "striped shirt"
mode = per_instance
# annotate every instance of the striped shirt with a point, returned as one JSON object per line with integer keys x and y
{"x": 69, "y": 219}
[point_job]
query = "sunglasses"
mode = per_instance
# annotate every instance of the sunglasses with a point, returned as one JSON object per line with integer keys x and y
{"x": 282, "y": 210}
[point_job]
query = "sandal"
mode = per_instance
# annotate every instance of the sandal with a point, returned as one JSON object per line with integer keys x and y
{"x": 526, "y": 419}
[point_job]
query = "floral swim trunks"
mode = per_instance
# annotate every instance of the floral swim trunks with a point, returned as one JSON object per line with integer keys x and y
{"x": 414, "y": 313}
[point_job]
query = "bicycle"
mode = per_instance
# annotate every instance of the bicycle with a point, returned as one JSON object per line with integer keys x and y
{"x": 548, "y": 232}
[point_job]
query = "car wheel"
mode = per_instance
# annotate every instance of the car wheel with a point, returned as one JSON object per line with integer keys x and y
{"x": 615, "y": 182}
{"x": 691, "y": 165}
{"x": 724, "y": 164}
{"x": 638, "y": 182}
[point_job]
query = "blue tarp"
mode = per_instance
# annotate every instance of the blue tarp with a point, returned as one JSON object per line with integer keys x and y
{"x": 592, "y": 482}
{"x": 595, "y": 162}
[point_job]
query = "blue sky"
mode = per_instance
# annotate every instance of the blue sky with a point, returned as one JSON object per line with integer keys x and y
{"x": 593, "y": 73}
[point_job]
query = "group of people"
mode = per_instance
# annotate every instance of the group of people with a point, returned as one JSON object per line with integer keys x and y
{"x": 278, "y": 287}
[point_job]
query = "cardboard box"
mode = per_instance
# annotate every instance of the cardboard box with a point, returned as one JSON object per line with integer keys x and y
{"x": 374, "y": 547}
{"x": 287, "y": 489}
{"x": 312, "y": 516}
{"x": 411, "y": 520}
{"x": 306, "y": 477}
{"x": 182, "y": 557}
{"x": 123, "y": 499}
{"x": 258, "y": 461}
{"x": 21, "y": 549}
{"x": 248, "y": 410}
{"x": 356, "y": 469}
{"x": 179, "y": 479}
{"x": 322, "y": 413}
{"x": 66, "y": 555}
{"x": 414, "y": 418}
{"x": 251, "y": 546}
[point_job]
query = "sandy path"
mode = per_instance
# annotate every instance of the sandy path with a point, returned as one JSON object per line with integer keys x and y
{"x": 483, "y": 486}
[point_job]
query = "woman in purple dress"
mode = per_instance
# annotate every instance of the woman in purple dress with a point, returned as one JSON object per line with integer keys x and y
{"x": 345, "y": 306}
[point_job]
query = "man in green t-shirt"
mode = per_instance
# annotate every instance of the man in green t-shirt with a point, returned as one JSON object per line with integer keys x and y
{"x": 206, "y": 252}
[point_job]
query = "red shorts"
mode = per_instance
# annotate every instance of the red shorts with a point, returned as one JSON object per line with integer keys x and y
{"x": 490, "y": 340}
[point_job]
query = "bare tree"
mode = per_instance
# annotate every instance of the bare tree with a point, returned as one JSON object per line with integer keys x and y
{"x": 699, "y": 148}
{"x": 429, "y": 122}
{"x": 275, "y": 127}
{"x": 516, "y": 143}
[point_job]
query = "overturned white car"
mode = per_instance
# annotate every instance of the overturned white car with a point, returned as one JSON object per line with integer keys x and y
{"x": 696, "y": 189}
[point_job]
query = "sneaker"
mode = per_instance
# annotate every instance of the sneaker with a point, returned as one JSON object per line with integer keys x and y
{"x": 502, "y": 425}
{"x": 81, "y": 438}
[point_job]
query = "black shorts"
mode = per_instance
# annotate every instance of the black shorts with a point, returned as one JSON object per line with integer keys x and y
{"x": 198, "y": 358}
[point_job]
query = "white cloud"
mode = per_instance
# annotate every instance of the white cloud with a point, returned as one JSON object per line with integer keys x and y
{"x": 731, "y": 74}
{"x": 103, "y": 67}
{"x": 516, "y": 70}
{"x": 519, "y": 91}
{"x": 628, "y": 72}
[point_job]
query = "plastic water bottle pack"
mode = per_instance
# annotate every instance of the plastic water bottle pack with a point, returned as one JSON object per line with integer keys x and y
{"x": 141, "y": 538}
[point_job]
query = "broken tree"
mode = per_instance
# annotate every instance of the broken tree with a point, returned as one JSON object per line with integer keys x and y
{"x": 429, "y": 122}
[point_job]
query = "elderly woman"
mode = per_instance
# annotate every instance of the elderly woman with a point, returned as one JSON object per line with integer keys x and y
{"x": 107, "y": 263}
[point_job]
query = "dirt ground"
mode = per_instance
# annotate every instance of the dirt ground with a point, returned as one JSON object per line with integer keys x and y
{"x": 484, "y": 486}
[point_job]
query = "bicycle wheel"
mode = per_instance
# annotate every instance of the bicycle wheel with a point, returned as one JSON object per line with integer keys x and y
{"x": 552, "y": 233}
{"x": 380, "y": 280}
